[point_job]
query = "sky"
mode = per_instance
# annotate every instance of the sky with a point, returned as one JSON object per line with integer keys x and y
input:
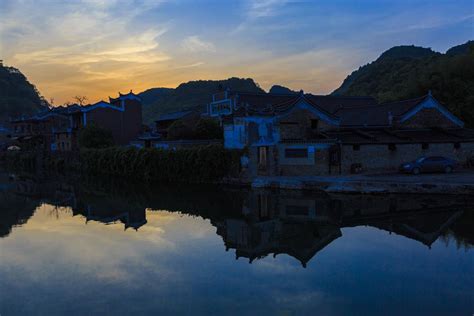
{"x": 96, "y": 48}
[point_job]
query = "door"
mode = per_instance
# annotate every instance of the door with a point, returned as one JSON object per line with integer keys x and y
{"x": 262, "y": 159}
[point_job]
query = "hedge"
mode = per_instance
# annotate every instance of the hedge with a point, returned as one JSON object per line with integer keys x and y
{"x": 204, "y": 164}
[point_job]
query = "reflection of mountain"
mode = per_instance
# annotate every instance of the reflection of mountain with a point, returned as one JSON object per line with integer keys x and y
{"x": 255, "y": 223}
{"x": 14, "y": 209}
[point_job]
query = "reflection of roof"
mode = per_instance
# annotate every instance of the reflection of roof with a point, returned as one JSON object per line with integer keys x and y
{"x": 174, "y": 115}
{"x": 425, "y": 229}
{"x": 301, "y": 240}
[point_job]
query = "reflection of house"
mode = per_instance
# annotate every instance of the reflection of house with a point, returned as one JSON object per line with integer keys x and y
{"x": 301, "y": 240}
{"x": 313, "y": 222}
{"x": 132, "y": 218}
{"x": 419, "y": 227}
{"x": 304, "y": 134}
{"x": 273, "y": 225}
{"x": 58, "y": 127}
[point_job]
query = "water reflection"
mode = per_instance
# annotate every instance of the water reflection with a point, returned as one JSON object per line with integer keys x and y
{"x": 254, "y": 224}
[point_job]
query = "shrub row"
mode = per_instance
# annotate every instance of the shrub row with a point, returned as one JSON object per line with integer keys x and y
{"x": 201, "y": 164}
{"x": 204, "y": 164}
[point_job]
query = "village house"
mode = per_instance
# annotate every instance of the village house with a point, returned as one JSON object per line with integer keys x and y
{"x": 57, "y": 129}
{"x": 304, "y": 134}
{"x": 38, "y": 131}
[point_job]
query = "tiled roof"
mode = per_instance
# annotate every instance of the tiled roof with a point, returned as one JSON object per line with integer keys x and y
{"x": 333, "y": 104}
{"x": 350, "y": 111}
{"x": 266, "y": 104}
{"x": 401, "y": 107}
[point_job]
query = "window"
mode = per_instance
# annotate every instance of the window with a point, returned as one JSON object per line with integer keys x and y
{"x": 314, "y": 124}
{"x": 356, "y": 147}
{"x": 425, "y": 146}
{"x": 392, "y": 147}
{"x": 296, "y": 153}
{"x": 457, "y": 145}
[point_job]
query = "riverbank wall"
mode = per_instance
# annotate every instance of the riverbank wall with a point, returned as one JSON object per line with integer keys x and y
{"x": 461, "y": 183}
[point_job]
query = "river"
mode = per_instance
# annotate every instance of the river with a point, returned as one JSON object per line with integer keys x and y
{"x": 102, "y": 247}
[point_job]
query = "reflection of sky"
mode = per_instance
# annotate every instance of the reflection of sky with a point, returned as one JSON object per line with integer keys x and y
{"x": 56, "y": 264}
{"x": 97, "y": 47}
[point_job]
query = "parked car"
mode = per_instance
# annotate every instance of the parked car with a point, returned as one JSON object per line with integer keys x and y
{"x": 429, "y": 164}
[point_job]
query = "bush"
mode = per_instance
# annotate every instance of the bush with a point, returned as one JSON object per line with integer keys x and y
{"x": 179, "y": 130}
{"x": 201, "y": 164}
{"x": 93, "y": 136}
{"x": 208, "y": 129}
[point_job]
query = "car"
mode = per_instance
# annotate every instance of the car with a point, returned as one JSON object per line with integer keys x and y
{"x": 429, "y": 164}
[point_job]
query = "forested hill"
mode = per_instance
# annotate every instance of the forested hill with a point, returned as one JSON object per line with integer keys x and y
{"x": 407, "y": 71}
{"x": 17, "y": 95}
{"x": 194, "y": 93}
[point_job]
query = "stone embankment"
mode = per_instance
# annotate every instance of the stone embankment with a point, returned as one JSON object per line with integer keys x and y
{"x": 456, "y": 183}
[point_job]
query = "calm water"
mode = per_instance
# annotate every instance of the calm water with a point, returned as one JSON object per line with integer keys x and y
{"x": 82, "y": 247}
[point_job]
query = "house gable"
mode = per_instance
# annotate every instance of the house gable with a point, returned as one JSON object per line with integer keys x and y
{"x": 429, "y": 113}
{"x": 312, "y": 110}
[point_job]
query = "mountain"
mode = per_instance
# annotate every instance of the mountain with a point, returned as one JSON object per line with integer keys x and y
{"x": 462, "y": 49}
{"x": 17, "y": 95}
{"x": 190, "y": 94}
{"x": 154, "y": 94}
{"x": 405, "y": 72}
{"x": 277, "y": 89}
{"x": 406, "y": 51}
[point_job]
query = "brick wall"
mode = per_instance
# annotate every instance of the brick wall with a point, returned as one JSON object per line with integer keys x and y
{"x": 376, "y": 158}
{"x": 109, "y": 119}
{"x": 125, "y": 126}
{"x": 317, "y": 162}
{"x": 297, "y": 125}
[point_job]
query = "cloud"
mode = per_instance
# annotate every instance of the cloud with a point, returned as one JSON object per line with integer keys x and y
{"x": 264, "y": 8}
{"x": 194, "y": 44}
{"x": 81, "y": 42}
{"x": 259, "y": 9}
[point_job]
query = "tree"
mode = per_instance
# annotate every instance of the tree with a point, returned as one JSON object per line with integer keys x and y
{"x": 81, "y": 99}
{"x": 93, "y": 136}
{"x": 179, "y": 130}
{"x": 208, "y": 129}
